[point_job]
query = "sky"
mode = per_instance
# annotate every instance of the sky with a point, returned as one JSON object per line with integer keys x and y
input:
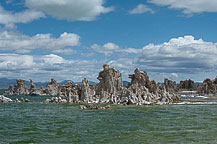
{"x": 72, "y": 39}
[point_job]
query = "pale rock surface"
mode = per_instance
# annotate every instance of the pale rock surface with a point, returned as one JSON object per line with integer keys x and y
{"x": 18, "y": 89}
{"x": 110, "y": 84}
{"x": 208, "y": 87}
{"x": 170, "y": 85}
{"x": 87, "y": 91}
{"x": 52, "y": 88}
{"x": 70, "y": 92}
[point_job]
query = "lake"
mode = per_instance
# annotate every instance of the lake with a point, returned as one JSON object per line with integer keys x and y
{"x": 36, "y": 122}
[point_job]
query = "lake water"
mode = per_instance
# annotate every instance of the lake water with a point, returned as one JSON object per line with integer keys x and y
{"x": 36, "y": 122}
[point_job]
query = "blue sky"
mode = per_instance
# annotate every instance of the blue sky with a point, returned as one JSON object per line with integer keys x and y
{"x": 72, "y": 39}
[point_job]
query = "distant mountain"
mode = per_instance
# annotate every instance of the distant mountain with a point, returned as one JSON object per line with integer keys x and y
{"x": 5, "y": 82}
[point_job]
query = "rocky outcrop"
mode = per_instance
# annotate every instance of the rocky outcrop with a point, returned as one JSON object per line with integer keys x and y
{"x": 33, "y": 91}
{"x": 18, "y": 89}
{"x": 187, "y": 85}
{"x": 21, "y": 89}
{"x": 87, "y": 91}
{"x": 70, "y": 92}
{"x": 10, "y": 90}
{"x": 52, "y": 88}
{"x": 170, "y": 85}
{"x": 144, "y": 91}
{"x": 109, "y": 90}
{"x": 110, "y": 84}
{"x": 208, "y": 87}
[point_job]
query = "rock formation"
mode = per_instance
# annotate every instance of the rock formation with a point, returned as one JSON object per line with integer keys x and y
{"x": 21, "y": 89}
{"x": 18, "y": 89}
{"x": 110, "y": 84}
{"x": 170, "y": 85}
{"x": 208, "y": 87}
{"x": 33, "y": 91}
{"x": 52, "y": 88}
{"x": 109, "y": 90}
{"x": 144, "y": 91}
{"x": 188, "y": 85}
{"x": 70, "y": 92}
{"x": 10, "y": 90}
{"x": 87, "y": 91}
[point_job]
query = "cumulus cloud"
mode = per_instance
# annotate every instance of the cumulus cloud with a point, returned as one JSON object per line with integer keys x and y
{"x": 107, "y": 48}
{"x": 11, "y": 41}
{"x": 72, "y": 10}
{"x": 189, "y": 6}
{"x": 110, "y": 48}
{"x": 15, "y": 62}
{"x": 174, "y": 75}
{"x": 141, "y": 8}
{"x": 130, "y": 50}
{"x": 44, "y": 67}
{"x": 9, "y": 19}
{"x": 179, "y": 55}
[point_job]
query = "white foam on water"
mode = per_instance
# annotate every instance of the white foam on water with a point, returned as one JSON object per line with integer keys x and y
{"x": 197, "y": 103}
{"x": 193, "y": 96}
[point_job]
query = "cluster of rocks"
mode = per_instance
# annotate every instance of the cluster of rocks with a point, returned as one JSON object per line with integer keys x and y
{"x": 186, "y": 85}
{"x": 89, "y": 107}
{"x": 20, "y": 89}
{"x": 170, "y": 85}
{"x": 208, "y": 87}
{"x": 109, "y": 90}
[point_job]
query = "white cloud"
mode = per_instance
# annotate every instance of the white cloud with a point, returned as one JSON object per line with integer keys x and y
{"x": 107, "y": 48}
{"x": 110, "y": 48}
{"x": 174, "y": 75}
{"x": 15, "y": 62}
{"x": 141, "y": 8}
{"x": 24, "y": 44}
{"x": 72, "y": 10}
{"x": 65, "y": 51}
{"x": 44, "y": 67}
{"x": 179, "y": 55}
{"x": 53, "y": 59}
{"x": 189, "y": 6}
{"x": 8, "y": 18}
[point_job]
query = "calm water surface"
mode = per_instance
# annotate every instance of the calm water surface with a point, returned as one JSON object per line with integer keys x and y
{"x": 36, "y": 122}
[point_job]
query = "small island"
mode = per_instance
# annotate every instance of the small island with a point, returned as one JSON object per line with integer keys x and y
{"x": 110, "y": 90}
